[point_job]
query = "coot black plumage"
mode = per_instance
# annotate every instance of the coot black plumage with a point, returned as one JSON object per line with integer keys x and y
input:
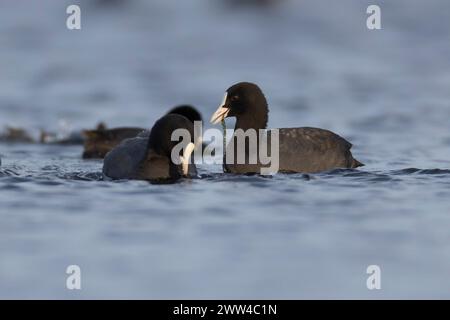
{"x": 188, "y": 111}
{"x": 306, "y": 150}
{"x": 149, "y": 158}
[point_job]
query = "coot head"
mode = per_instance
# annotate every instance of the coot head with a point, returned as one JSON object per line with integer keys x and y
{"x": 247, "y": 103}
{"x": 188, "y": 111}
{"x": 160, "y": 142}
{"x": 193, "y": 115}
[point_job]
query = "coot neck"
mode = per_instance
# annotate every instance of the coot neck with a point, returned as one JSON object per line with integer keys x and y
{"x": 253, "y": 120}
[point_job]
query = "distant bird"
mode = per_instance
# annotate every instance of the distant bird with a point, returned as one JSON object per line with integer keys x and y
{"x": 72, "y": 138}
{"x": 150, "y": 158}
{"x": 102, "y": 140}
{"x": 20, "y": 135}
{"x": 306, "y": 150}
{"x": 16, "y": 135}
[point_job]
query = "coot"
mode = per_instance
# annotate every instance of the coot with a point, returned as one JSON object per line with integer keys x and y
{"x": 306, "y": 150}
{"x": 149, "y": 158}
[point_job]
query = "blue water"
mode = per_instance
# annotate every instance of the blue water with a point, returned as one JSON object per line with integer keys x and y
{"x": 224, "y": 236}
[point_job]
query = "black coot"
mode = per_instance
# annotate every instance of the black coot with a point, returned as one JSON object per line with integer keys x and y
{"x": 149, "y": 158}
{"x": 306, "y": 150}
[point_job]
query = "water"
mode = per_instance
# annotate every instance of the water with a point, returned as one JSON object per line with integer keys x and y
{"x": 224, "y": 236}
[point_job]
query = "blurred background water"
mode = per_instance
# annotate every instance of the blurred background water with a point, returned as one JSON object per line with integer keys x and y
{"x": 289, "y": 236}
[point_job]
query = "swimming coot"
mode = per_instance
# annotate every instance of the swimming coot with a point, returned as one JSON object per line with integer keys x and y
{"x": 306, "y": 150}
{"x": 102, "y": 140}
{"x": 149, "y": 158}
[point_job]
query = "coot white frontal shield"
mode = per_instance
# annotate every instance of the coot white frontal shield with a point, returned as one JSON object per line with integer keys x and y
{"x": 222, "y": 112}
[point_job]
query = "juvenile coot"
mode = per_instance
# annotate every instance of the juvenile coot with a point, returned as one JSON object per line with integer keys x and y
{"x": 306, "y": 150}
{"x": 102, "y": 140}
{"x": 149, "y": 158}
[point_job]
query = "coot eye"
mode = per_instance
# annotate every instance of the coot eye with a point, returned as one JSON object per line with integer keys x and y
{"x": 234, "y": 98}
